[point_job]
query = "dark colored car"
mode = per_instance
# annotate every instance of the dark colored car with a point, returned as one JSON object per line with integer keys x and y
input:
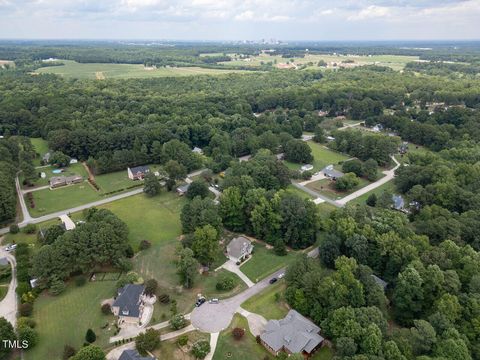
{"x": 273, "y": 280}
{"x": 200, "y": 301}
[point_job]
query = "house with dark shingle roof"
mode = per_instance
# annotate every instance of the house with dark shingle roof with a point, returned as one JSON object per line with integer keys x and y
{"x": 330, "y": 172}
{"x": 182, "y": 190}
{"x": 138, "y": 172}
{"x": 128, "y": 305}
{"x": 133, "y": 355}
{"x": 239, "y": 248}
{"x": 292, "y": 334}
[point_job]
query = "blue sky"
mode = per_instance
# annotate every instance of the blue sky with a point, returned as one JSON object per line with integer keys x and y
{"x": 241, "y": 19}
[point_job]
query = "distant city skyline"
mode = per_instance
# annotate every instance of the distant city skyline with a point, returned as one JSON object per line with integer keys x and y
{"x": 224, "y": 20}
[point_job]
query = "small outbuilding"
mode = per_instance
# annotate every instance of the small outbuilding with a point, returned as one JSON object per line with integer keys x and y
{"x": 306, "y": 167}
{"x": 67, "y": 223}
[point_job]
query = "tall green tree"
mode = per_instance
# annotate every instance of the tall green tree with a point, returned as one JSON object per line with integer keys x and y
{"x": 187, "y": 267}
{"x": 232, "y": 209}
{"x": 205, "y": 244}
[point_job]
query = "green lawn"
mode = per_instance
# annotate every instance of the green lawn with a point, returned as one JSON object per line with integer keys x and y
{"x": 388, "y": 186}
{"x": 115, "y": 181}
{"x": 74, "y": 169}
{"x": 48, "y": 201}
{"x": 101, "y": 71}
{"x": 64, "y": 319}
{"x": 264, "y": 262}
{"x": 41, "y": 147}
{"x": 169, "y": 349}
{"x": 3, "y": 291}
{"x": 324, "y": 353}
{"x": 327, "y": 187}
{"x": 322, "y": 156}
{"x": 292, "y": 189}
{"x": 265, "y": 303}
{"x": 246, "y": 348}
{"x": 324, "y": 209}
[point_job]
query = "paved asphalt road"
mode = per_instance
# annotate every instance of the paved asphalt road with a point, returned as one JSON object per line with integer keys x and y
{"x": 214, "y": 318}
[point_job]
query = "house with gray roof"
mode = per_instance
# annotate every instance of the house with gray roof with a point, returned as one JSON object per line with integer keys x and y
{"x": 182, "y": 190}
{"x": 239, "y": 248}
{"x": 133, "y": 355}
{"x": 137, "y": 172}
{"x": 398, "y": 202}
{"x": 380, "y": 282}
{"x": 330, "y": 172}
{"x": 128, "y": 305}
{"x": 292, "y": 334}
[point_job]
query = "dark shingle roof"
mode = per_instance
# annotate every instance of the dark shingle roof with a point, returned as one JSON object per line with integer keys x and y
{"x": 128, "y": 300}
{"x": 133, "y": 355}
{"x": 331, "y": 172}
{"x": 380, "y": 282}
{"x": 140, "y": 169}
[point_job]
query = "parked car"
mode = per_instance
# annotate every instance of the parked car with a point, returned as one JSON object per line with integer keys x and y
{"x": 281, "y": 275}
{"x": 200, "y": 301}
{"x": 273, "y": 280}
{"x": 213, "y": 301}
{"x": 10, "y": 247}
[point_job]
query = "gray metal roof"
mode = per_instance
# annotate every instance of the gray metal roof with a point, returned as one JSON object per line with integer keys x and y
{"x": 183, "y": 188}
{"x": 330, "y": 172}
{"x": 128, "y": 300}
{"x": 295, "y": 333}
{"x": 380, "y": 282}
{"x": 239, "y": 246}
{"x": 133, "y": 355}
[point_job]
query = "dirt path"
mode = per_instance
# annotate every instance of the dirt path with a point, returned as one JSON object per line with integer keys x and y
{"x": 89, "y": 172}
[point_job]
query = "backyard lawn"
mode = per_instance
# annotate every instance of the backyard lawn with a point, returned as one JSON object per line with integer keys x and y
{"x": 171, "y": 350}
{"x": 41, "y": 147}
{"x": 264, "y": 262}
{"x": 66, "y": 318}
{"x": 388, "y": 186}
{"x": 246, "y": 348}
{"x": 266, "y": 304}
{"x": 326, "y": 187}
{"x": 322, "y": 156}
{"x": 292, "y": 189}
{"x": 115, "y": 181}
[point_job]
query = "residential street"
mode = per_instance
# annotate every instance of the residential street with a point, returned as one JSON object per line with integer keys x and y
{"x": 8, "y": 306}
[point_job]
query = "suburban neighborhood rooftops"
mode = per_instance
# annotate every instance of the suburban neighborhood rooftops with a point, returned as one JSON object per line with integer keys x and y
{"x": 398, "y": 202}
{"x": 183, "y": 189}
{"x": 128, "y": 300}
{"x": 133, "y": 355}
{"x": 330, "y": 172}
{"x": 380, "y": 282}
{"x": 295, "y": 333}
{"x": 139, "y": 169}
{"x": 238, "y": 247}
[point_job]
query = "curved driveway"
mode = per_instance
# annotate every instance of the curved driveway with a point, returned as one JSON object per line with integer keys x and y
{"x": 8, "y": 306}
{"x": 214, "y": 318}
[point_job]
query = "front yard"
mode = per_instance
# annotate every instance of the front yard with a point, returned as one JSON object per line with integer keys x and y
{"x": 246, "y": 348}
{"x": 322, "y": 156}
{"x": 268, "y": 303}
{"x": 327, "y": 188}
{"x": 264, "y": 262}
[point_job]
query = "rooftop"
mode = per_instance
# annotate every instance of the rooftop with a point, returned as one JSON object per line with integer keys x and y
{"x": 330, "y": 172}
{"x": 398, "y": 202}
{"x": 239, "y": 246}
{"x": 128, "y": 300}
{"x": 139, "y": 169}
{"x": 133, "y": 355}
{"x": 295, "y": 333}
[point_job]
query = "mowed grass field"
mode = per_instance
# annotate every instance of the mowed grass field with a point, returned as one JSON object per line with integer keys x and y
{"x": 64, "y": 319}
{"x": 265, "y": 303}
{"x": 322, "y": 156}
{"x": 246, "y": 348}
{"x": 264, "y": 262}
{"x": 41, "y": 147}
{"x": 327, "y": 187}
{"x": 100, "y": 71}
{"x": 396, "y": 62}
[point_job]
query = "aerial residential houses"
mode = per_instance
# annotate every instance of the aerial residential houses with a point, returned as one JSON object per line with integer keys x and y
{"x": 239, "y": 248}
{"x": 58, "y": 181}
{"x": 138, "y": 172}
{"x": 129, "y": 304}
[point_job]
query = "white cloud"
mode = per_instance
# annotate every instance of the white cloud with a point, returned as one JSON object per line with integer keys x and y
{"x": 245, "y": 16}
{"x": 371, "y": 12}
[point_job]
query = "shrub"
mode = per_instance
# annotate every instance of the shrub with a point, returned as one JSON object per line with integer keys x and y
{"x": 25, "y": 309}
{"x": 27, "y": 334}
{"x": 68, "y": 352}
{"x": 30, "y": 229}
{"x": 22, "y": 288}
{"x": 178, "y": 322}
{"x": 14, "y": 229}
{"x": 57, "y": 287}
{"x": 200, "y": 349}
{"x": 106, "y": 309}
{"x": 80, "y": 280}
{"x": 182, "y": 340}
{"x": 90, "y": 336}
{"x": 238, "y": 333}
{"x": 129, "y": 253}
{"x": 144, "y": 244}
{"x": 151, "y": 287}
{"x": 147, "y": 341}
{"x": 258, "y": 339}
{"x": 26, "y": 321}
{"x": 225, "y": 283}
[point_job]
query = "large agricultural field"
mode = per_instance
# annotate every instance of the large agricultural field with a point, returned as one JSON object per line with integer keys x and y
{"x": 101, "y": 71}
{"x": 396, "y": 62}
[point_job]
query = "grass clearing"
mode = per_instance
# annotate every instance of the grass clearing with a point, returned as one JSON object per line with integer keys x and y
{"x": 388, "y": 186}
{"x": 324, "y": 209}
{"x": 101, "y": 71}
{"x": 171, "y": 350}
{"x": 264, "y": 262}
{"x": 246, "y": 348}
{"x": 326, "y": 187}
{"x": 64, "y": 319}
{"x": 266, "y": 303}
{"x": 322, "y": 156}
{"x": 41, "y": 148}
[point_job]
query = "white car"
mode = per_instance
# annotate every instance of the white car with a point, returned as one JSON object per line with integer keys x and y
{"x": 281, "y": 275}
{"x": 213, "y": 301}
{"x": 10, "y": 247}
